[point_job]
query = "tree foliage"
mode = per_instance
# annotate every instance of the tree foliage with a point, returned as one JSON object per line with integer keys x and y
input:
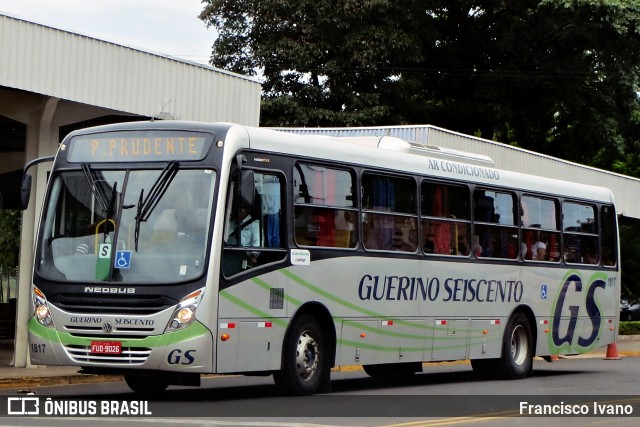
{"x": 560, "y": 77}
{"x": 9, "y": 240}
{"x": 630, "y": 248}
{"x": 555, "y": 76}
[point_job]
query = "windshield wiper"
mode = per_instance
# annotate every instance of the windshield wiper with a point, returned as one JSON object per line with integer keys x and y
{"x": 96, "y": 190}
{"x": 147, "y": 204}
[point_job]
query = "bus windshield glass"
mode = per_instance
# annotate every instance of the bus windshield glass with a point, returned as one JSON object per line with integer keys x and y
{"x": 128, "y": 226}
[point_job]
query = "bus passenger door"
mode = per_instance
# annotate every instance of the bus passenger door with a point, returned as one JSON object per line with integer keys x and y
{"x": 253, "y": 225}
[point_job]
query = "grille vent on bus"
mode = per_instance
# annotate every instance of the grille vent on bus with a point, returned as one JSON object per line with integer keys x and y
{"x": 111, "y": 304}
{"x": 276, "y": 298}
{"x": 129, "y": 355}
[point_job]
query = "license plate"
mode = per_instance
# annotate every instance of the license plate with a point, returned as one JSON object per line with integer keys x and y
{"x": 106, "y": 347}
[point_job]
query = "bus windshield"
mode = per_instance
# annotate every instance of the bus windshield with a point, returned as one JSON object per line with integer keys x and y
{"x": 128, "y": 226}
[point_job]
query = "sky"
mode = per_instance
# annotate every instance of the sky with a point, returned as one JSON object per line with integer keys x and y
{"x": 167, "y": 27}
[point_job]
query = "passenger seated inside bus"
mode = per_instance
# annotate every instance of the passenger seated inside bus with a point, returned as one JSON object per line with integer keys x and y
{"x": 444, "y": 238}
{"x": 535, "y": 245}
{"x": 258, "y": 221}
{"x": 404, "y": 236}
{"x": 463, "y": 248}
{"x": 249, "y": 233}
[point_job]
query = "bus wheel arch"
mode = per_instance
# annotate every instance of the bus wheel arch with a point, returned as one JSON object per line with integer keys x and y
{"x": 518, "y": 348}
{"x": 308, "y": 352}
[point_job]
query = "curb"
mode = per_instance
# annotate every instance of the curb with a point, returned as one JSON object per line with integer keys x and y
{"x": 28, "y": 382}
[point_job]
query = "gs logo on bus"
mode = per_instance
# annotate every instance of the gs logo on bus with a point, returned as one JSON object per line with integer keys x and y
{"x": 178, "y": 357}
{"x": 576, "y": 291}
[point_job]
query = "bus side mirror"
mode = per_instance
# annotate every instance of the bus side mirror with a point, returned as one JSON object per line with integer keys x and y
{"x": 25, "y": 191}
{"x": 247, "y": 188}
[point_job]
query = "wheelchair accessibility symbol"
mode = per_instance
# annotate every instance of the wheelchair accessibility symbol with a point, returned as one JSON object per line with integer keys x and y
{"x": 123, "y": 259}
{"x": 543, "y": 292}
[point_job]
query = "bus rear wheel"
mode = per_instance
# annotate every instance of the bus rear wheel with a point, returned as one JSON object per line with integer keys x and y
{"x": 517, "y": 352}
{"x": 303, "y": 358}
{"x": 146, "y": 385}
{"x": 517, "y": 348}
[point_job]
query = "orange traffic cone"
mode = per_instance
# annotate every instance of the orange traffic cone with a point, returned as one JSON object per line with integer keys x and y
{"x": 612, "y": 352}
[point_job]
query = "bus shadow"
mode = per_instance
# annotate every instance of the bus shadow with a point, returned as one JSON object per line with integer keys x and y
{"x": 433, "y": 379}
{"x": 226, "y": 391}
{"x": 235, "y": 388}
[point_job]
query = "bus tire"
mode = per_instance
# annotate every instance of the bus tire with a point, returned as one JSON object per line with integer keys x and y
{"x": 146, "y": 385}
{"x": 303, "y": 358}
{"x": 517, "y": 348}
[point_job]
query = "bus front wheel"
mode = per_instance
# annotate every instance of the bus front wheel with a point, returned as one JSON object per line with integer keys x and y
{"x": 146, "y": 385}
{"x": 303, "y": 363}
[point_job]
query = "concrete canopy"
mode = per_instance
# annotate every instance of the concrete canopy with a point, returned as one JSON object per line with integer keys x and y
{"x": 54, "y": 81}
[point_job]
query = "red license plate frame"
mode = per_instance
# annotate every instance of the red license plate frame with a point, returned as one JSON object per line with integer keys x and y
{"x": 106, "y": 347}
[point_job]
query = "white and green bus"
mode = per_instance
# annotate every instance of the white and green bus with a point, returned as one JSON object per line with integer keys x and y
{"x": 167, "y": 250}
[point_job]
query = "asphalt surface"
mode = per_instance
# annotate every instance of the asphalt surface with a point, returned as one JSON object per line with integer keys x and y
{"x": 40, "y": 376}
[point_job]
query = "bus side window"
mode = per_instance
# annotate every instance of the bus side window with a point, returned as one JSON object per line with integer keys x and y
{"x": 540, "y": 230}
{"x": 390, "y": 213}
{"x": 446, "y": 214}
{"x": 259, "y": 228}
{"x": 324, "y": 206}
{"x": 580, "y": 233}
{"x": 496, "y": 231}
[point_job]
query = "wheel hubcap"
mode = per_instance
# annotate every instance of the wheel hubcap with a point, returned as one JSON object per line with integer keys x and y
{"x": 307, "y": 353}
{"x": 519, "y": 345}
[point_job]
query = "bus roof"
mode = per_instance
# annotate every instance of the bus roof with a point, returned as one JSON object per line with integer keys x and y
{"x": 404, "y": 156}
{"x": 388, "y": 153}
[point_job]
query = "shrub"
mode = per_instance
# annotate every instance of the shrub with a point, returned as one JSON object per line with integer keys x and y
{"x": 629, "y": 328}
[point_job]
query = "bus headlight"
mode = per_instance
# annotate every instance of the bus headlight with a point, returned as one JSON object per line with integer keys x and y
{"x": 41, "y": 308}
{"x": 185, "y": 314}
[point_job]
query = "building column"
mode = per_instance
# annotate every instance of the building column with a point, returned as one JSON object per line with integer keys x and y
{"x": 42, "y": 140}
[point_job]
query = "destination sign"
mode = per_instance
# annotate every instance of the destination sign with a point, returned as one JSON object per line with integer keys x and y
{"x": 159, "y": 146}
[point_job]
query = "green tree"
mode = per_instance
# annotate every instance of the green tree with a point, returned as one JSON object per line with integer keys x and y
{"x": 324, "y": 62}
{"x": 555, "y": 76}
{"x": 9, "y": 242}
{"x": 630, "y": 248}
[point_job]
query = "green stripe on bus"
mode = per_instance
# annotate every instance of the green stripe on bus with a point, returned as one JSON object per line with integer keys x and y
{"x": 268, "y": 288}
{"x": 358, "y": 344}
{"x": 280, "y": 322}
{"x": 298, "y": 303}
{"x": 357, "y": 308}
{"x": 237, "y": 301}
{"x": 365, "y": 327}
{"x": 315, "y": 289}
{"x": 194, "y": 331}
